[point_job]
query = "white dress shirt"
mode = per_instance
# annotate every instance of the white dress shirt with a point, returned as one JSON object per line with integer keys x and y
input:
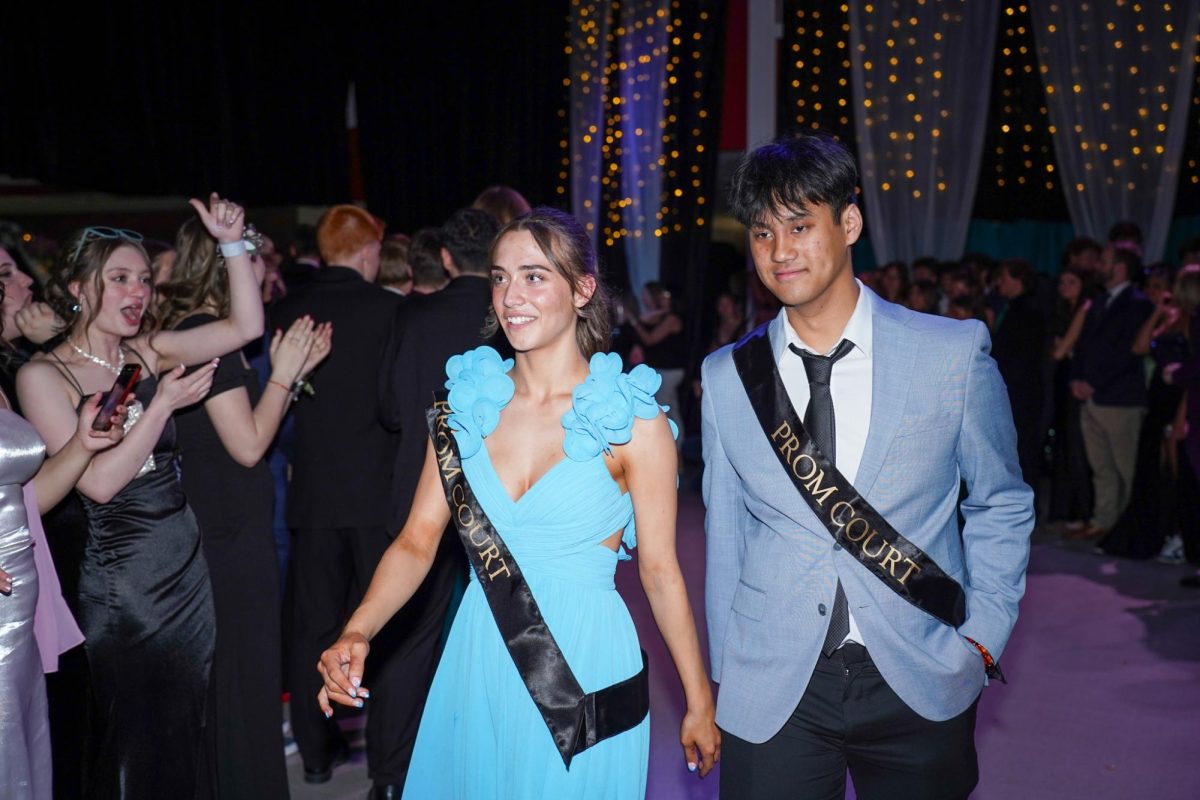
{"x": 849, "y": 387}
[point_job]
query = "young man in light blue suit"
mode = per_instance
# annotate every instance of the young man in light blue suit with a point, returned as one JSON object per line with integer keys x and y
{"x": 853, "y": 625}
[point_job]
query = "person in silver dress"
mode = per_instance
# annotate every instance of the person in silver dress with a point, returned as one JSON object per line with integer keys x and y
{"x": 25, "y": 770}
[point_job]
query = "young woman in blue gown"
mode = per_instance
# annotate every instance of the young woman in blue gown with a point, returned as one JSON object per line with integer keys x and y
{"x": 572, "y": 461}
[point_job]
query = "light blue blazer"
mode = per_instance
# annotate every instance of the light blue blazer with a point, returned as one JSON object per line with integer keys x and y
{"x": 939, "y": 415}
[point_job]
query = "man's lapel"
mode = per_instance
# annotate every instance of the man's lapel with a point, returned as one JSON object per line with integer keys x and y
{"x": 892, "y": 360}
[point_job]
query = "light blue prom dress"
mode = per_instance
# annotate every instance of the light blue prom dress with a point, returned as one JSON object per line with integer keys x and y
{"x": 481, "y": 735}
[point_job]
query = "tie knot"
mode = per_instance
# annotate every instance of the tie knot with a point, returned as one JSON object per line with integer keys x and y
{"x": 820, "y": 368}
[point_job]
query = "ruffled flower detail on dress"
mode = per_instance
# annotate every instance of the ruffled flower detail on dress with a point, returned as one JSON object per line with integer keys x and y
{"x": 479, "y": 387}
{"x": 604, "y": 406}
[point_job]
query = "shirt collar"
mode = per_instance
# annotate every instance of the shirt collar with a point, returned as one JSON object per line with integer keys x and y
{"x": 858, "y": 328}
{"x": 1116, "y": 290}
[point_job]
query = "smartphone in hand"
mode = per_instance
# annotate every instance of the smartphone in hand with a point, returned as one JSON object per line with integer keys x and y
{"x": 116, "y": 396}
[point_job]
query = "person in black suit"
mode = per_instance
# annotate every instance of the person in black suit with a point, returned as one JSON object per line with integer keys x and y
{"x": 428, "y": 330}
{"x": 303, "y": 260}
{"x": 341, "y": 474}
{"x": 1108, "y": 378}
{"x": 1020, "y": 347}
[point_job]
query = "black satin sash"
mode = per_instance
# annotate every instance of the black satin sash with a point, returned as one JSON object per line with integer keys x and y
{"x": 854, "y": 524}
{"x": 576, "y": 720}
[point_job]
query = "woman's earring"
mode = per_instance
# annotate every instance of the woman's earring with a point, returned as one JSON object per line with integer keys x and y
{"x": 74, "y": 307}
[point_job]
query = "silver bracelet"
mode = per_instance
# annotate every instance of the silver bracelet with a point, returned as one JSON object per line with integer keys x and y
{"x": 233, "y": 249}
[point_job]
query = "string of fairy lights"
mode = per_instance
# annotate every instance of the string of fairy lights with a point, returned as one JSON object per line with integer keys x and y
{"x": 1019, "y": 173}
{"x": 605, "y": 34}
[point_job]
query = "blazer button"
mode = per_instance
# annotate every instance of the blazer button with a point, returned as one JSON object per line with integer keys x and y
{"x": 821, "y": 609}
{"x": 837, "y": 547}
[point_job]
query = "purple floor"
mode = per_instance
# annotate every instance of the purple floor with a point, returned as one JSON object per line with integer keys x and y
{"x": 1102, "y": 700}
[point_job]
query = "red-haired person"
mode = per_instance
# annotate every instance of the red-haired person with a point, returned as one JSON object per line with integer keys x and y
{"x": 341, "y": 468}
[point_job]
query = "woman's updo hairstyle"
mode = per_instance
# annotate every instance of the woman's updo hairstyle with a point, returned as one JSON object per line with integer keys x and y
{"x": 568, "y": 248}
{"x": 81, "y": 260}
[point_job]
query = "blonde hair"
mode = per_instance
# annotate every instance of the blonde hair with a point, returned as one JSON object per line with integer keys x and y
{"x": 197, "y": 276}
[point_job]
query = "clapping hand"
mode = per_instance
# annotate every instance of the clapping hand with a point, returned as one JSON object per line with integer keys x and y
{"x": 289, "y": 351}
{"x": 224, "y": 219}
{"x": 322, "y": 345}
{"x": 178, "y": 391}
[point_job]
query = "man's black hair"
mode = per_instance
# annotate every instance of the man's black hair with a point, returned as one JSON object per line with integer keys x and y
{"x": 1132, "y": 262}
{"x": 304, "y": 242}
{"x": 1125, "y": 231}
{"x": 793, "y": 172}
{"x": 425, "y": 258}
{"x": 468, "y": 235}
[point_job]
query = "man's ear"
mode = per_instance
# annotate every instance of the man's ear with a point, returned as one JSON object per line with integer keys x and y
{"x": 852, "y": 223}
{"x": 585, "y": 290}
{"x": 448, "y": 264}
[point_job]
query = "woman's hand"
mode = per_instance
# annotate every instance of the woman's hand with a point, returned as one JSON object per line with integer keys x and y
{"x": 177, "y": 390}
{"x": 701, "y": 740}
{"x": 38, "y": 323}
{"x": 341, "y": 667}
{"x": 224, "y": 219}
{"x": 321, "y": 347}
{"x": 289, "y": 351}
{"x": 5, "y": 583}
{"x": 94, "y": 441}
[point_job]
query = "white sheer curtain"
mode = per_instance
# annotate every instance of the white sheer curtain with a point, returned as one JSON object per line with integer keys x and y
{"x": 643, "y": 60}
{"x": 589, "y": 57}
{"x": 921, "y": 74}
{"x": 635, "y": 87}
{"x": 1118, "y": 75}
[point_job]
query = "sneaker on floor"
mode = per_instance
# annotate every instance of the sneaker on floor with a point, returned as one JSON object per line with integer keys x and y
{"x": 1172, "y": 551}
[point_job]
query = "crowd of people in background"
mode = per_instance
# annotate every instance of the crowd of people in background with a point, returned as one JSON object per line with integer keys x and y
{"x": 287, "y": 514}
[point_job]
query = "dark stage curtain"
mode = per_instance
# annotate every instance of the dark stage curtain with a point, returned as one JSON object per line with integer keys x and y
{"x": 453, "y": 97}
{"x": 178, "y": 98}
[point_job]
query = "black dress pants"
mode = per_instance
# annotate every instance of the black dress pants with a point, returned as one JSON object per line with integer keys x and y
{"x": 849, "y": 718}
{"x": 330, "y": 570}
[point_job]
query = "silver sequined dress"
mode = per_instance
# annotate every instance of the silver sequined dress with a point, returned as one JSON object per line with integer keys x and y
{"x": 24, "y": 727}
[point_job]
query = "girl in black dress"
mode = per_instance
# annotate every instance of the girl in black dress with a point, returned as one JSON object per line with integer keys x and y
{"x": 229, "y": 486}
{"x": 145, "y": 598}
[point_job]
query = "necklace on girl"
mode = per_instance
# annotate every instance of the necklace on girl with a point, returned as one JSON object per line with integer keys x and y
{"x": 133, "y": 406}
{"x": 116, "y": 370}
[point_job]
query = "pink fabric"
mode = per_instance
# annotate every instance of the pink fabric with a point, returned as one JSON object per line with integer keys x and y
{"x": 53, "y": 626}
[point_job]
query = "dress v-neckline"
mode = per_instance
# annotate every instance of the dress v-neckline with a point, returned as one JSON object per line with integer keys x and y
{"x": 540, "y": 479}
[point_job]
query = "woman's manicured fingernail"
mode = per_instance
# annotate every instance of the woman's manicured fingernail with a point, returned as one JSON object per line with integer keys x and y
{"x": 358, "y": 703}
{"x": 328, "y": 714}
{"x": 691, "y": 767}
{"x": 365, "y": 693}
{"x": 354, "y": 693}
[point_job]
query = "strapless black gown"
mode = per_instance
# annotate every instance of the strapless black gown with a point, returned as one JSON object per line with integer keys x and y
{"x": 146, "y": 609}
